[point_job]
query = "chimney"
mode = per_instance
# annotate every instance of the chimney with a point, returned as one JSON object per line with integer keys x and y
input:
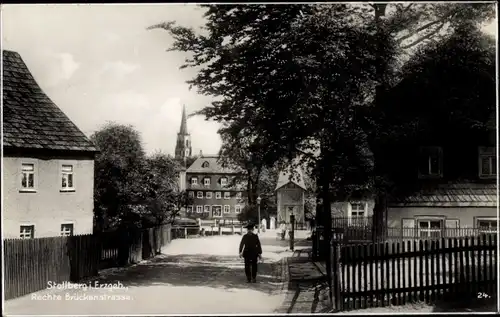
{"x": 201, "y": 153}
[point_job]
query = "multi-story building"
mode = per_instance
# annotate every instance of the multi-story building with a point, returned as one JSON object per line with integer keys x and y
{"x": 48, "y": 163}
{"x": 216, "y": 191}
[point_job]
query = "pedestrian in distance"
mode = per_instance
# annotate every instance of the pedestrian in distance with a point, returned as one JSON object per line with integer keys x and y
{"x": 251, "y": 251}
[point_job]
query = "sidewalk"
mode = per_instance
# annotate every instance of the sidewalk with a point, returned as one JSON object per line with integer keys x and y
{"x": 307, "y": 285}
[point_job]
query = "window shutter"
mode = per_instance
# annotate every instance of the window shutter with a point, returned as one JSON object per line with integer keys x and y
{"x": 423, "y": 161}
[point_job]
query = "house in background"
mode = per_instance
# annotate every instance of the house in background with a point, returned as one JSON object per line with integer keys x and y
{"x": 448, "y": 178}
{"x": 48, "y": 163}
{"x": 457, "y": 186}
{"x": 215, "y": 190}
{"x": 290, "y": 197}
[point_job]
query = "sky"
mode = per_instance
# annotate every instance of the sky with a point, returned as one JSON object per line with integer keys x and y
{"x": 98, "y": 63}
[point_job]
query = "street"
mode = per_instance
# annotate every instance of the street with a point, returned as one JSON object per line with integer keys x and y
{"x": 193, "y": 276}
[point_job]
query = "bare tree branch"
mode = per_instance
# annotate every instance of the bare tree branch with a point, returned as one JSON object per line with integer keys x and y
{"x": 425, "y": 37}
{"x": 405, "y": 10}
{"x": 420, "y": 29}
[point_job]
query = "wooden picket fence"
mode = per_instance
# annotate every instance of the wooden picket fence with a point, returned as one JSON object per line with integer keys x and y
{"x": 396, "y": 273}
{"x": 30, "y": 264}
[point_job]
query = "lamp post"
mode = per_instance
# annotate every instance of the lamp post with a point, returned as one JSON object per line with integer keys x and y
{"x": 258, "y": 213}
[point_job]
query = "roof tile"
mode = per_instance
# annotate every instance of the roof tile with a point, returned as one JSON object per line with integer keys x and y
{"x": 462, "y": 193}
{"x": 30, "y": 119}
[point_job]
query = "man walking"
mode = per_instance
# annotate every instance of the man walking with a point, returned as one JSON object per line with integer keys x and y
{"x": 251, "y": 251}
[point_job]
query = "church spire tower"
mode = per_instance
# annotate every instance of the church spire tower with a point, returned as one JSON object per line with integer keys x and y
{"x": 183, "y": 146}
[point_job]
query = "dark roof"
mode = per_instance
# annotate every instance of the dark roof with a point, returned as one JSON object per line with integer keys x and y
{"x": 465, "y": 194}
{"x": 284, "y": 178}
{"x": 214, "y": 166}
{"x": 30, "y": 119}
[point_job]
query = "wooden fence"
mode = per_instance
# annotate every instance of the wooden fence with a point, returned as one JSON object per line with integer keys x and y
{"x": 360, "y": 231}
{"x": 396, "y": 273}
{"x": 30, "y": 264}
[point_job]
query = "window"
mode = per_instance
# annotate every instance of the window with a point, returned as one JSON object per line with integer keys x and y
{"x": 205, "y": 165}
{"x": 199, "y": 209}
{"x": 216, "y": 211}
{"x": 209, "y": 195}
{"x": 189, "y": 209}
{"x": 191, "y": 194}
{"x": 207, "y": 209}
{"x": 67, "y": 177}
{"x": 431, "y": 162}
{"x": 67, "y": 229}
{"x": 223, "y": 181}
{"x": 28, "y": 176}
{"x": 487, "y": 225}
{"x": 206, "y": 181}
{"x": 199, "y": 195}
{"x": 238, "y": 195}
{"x": 487, "y": 162}
{"x": 430, "y": 228}
{"x": 227, "y": 209}
{"x": 237, "y": 209}
{"x": 358, "y": 210}
{"x": 27, "y": 232}
{"x": 218, "y": 195}
{"x": 227, "y": 195}
{"x": 194, "y": 181}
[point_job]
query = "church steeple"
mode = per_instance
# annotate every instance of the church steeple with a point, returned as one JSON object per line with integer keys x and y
{"x": 183, "y": 146}
{"x": 183, "y": 129}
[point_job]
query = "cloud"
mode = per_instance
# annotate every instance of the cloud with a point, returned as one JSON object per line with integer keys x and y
{"x": 56, "y": 68}
{"x": 68, "y": 65}
{"x": 120, "y": 68}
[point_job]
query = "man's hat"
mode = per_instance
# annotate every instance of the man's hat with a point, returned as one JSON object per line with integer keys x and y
{"x": 250, "y": 226}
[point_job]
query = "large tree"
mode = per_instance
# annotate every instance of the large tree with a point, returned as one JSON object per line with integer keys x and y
{"x": 118, "y": 166}
{"x": 303, "y": 78}
{"x": 164, "y": 197}
{"x": 446, "y": 95}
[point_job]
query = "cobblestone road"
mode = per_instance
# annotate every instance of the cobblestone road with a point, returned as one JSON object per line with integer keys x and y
{"x": 196, "y": 276}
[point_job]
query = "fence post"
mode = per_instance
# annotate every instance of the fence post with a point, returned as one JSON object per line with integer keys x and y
{"x": 335, "y": 290}
{"x": 220, "y": 230}
{"x": 185, "y": 233}
{"x": 232, "y": 229}
{"x": 241, "y": 229}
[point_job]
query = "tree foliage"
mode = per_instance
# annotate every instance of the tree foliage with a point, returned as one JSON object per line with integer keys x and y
{"x": 130, "y": 188}
{"x": 164, "y": 198}
{"x": 305, "y": 79}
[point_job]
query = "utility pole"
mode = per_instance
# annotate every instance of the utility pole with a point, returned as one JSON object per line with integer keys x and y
{"x": 258, "y": 213}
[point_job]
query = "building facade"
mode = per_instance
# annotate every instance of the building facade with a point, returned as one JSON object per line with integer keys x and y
{"x": 48, "y": 162}
{"x": 454, "y": 184}
{"x": 290, "y": 197}
{"x": 216, "y": 191}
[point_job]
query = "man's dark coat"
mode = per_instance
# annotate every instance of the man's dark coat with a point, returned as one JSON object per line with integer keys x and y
{"x": 250, "y": 245}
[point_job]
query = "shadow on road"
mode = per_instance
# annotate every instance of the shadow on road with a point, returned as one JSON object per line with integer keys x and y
{"x": 224, "y": 272}
{"x": 307, "y": 297}
{"x": 464, "y": 305}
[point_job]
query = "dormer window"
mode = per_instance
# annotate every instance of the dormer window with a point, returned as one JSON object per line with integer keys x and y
{"x": 431, "y": 162}
{"x": 487, "y": 162}
{"x": 205, "y": 165}
{"x": 223, "y": 181}
{"x": 206, "y": 181}
{"x": 194, "y": 181}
